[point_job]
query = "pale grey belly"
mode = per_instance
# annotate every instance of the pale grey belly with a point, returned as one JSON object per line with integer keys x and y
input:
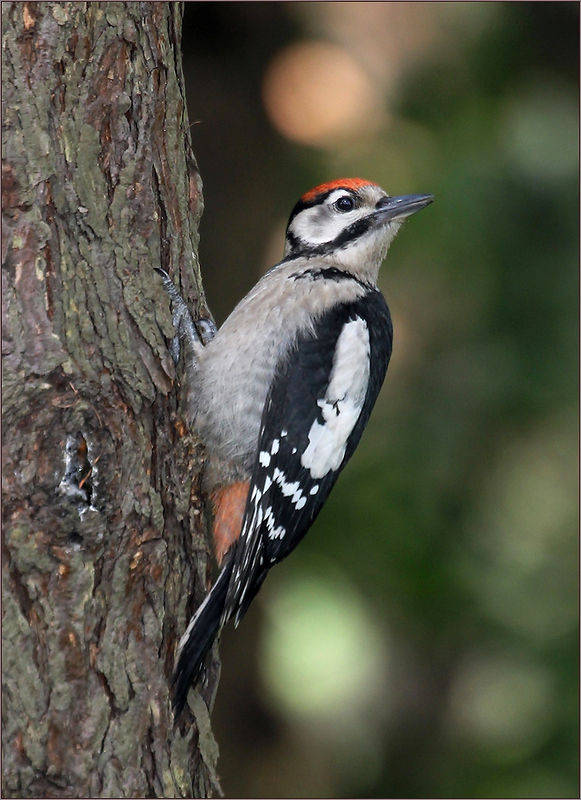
{"x": 227, "y": 406}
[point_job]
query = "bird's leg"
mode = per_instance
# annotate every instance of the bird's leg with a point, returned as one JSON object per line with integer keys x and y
{"x": 197, "y": 333}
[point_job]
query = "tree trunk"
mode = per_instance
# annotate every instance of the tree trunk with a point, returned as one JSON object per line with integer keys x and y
{"x": 104, "y": 531}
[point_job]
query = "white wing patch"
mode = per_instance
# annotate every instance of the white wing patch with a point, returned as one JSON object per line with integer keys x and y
{"x": 343, "y": 401}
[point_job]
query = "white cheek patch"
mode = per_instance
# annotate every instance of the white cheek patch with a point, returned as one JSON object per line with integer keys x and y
{"x": 342, "y": 403}
{"x": 321, "y": 223}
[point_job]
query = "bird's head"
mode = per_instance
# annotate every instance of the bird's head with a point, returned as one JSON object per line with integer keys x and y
{"x": 349, "y": 223}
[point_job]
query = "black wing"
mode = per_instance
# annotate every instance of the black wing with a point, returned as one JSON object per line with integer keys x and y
{"x": 317, "y": 408}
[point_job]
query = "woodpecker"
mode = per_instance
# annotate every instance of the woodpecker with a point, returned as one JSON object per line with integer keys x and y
{"x": 282, "y": 392}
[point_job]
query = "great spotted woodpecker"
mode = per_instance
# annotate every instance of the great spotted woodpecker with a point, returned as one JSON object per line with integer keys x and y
{"x": 282, "y": 392}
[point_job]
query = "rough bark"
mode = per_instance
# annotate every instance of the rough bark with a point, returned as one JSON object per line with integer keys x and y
{"x": 104, "y": 538}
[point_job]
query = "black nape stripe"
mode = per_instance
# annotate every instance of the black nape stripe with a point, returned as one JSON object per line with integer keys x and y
{"x": 331, "y": 274}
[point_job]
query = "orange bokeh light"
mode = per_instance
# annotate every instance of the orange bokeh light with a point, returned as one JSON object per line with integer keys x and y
{"x": 316, "y": 93}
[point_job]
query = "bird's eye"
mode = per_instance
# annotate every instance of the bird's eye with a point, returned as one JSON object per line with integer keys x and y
{"x": 345, "y": 203}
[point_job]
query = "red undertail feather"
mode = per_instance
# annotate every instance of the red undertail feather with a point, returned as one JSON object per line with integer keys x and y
{"x": 229, "y": 504}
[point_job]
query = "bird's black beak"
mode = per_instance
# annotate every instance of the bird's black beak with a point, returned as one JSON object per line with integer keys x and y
{"x": 396, "y": 208}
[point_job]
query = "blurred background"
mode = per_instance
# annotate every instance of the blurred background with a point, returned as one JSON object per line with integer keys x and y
{"x": 423, "y": 639}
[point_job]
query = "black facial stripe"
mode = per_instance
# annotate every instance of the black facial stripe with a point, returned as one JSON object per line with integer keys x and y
{"x": 354, "y": 231}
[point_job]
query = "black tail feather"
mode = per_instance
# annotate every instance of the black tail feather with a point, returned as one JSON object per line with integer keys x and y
{"x": 199, "y": 637}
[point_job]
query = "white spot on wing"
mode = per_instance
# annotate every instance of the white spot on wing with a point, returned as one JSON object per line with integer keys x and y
{"x": 264, "y": 458}
{"x": 273, "y": 533}
{"x": 343, "y": 400}
{"x": 292, "y": 490}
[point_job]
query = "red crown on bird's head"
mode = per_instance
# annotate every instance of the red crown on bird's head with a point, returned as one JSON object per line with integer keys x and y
{"x": 343, "y": 183}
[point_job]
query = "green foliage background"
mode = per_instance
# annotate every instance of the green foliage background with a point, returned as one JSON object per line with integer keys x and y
{"x": 446, "y": 558}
